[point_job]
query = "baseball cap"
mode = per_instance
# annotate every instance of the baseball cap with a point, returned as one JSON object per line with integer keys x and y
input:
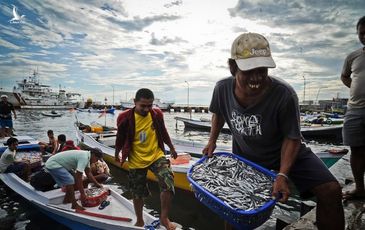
{"x": 4, "y": 96}
{"x": 250, "y": 51}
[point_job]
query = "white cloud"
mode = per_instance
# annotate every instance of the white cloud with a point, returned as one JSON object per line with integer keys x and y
{"x": 93, "y": 44}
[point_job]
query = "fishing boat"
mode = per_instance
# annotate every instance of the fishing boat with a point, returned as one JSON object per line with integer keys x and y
{"x": 92, "y": 110}
{"x": 329, "y": 156}
{"x": 30, "y": 93}
{"x": 52, "y": 114}
{"x": 313, "y": 131}
{"x": 105, "y": 141}
{"x": 308, "y": 131}
{"x": 118, "y": 214}
{"x": 200, "y": 124}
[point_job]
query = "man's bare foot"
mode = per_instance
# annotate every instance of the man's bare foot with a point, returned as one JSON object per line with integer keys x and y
{"x": 168, "y": 224}
{"x": 139, "y": 223}
{"x": 353, "y": 195}
{"x": 77, "y": 206}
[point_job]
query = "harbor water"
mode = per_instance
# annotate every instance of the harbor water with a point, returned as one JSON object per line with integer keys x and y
{"x": 17, "y": 213}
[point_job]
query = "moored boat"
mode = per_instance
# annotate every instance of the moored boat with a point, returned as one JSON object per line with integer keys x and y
{"x": 92, "y": 110}
{"x": 51, "y": 114}
{"x": 308, "y": 131}
{"x": 328, "y": 156}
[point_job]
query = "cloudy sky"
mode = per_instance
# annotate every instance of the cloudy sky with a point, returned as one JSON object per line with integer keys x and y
{"x": 95, "y": 46}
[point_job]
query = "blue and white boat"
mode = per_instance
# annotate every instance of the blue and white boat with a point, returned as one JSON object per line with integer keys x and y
{"x": 92, "y": 110}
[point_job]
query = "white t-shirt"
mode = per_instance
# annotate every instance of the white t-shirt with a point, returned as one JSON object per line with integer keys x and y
{"x": 6, "y": 159}
{"x": 354, "y": 66}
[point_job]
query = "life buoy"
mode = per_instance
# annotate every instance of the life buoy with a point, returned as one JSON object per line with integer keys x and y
{"x": 329, "y": 121}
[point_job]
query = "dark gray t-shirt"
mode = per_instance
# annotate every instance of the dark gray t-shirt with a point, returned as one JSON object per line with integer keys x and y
{"x": 259, "y": 130}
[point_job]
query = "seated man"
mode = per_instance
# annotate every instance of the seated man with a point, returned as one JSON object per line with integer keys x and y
{"x": 67, "y": 169}
{"x": 8, "y": 164}
{"x": 100, "y": 171}
{"x": 61, "y": 142}
{"x": 51, "y": 145}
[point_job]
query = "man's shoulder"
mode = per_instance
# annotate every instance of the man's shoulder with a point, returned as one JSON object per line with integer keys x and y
{"x": 281, "y": 84}
{"x": 7, "y": 151}
{"x": 225, "y": 81}
{"x": 354, "y": 54}
{"x": 157, "y": 111}
{"x": 125, "y": 114}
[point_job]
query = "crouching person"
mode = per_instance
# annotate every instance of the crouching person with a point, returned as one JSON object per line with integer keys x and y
{"x": 100, "y": 171}
{"x": 67, "y": 169}
{"x": 8, "y": 164}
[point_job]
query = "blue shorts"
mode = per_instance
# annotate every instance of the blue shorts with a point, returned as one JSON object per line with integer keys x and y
{"x": 61, "y": 176}
{"x": 6, "y": 123}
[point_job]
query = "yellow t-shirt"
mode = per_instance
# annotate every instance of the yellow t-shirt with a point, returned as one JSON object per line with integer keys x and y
{"x": 145, "y": 149}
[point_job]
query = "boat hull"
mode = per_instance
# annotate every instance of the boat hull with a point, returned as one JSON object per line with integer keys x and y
{"x": 325, "y": 131}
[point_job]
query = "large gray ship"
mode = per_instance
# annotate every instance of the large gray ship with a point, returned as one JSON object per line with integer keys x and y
{"x": 30, "y": 93}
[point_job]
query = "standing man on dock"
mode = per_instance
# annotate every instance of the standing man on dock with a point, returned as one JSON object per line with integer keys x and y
{"x": 6, "y": 122}
{"x": 262, "y": 113}
{"x": 353, "y": 132}
{"x": 141, "y": 136}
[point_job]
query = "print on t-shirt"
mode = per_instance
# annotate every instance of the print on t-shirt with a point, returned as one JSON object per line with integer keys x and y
{"x": 246, "y": 124}
{"x": 142, "y": 136}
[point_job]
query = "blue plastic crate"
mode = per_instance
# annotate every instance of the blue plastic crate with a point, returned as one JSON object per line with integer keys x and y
{"x": 240, "y": 219}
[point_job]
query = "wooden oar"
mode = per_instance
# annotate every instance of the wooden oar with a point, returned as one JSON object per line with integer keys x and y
{"x": 99, "y": 215}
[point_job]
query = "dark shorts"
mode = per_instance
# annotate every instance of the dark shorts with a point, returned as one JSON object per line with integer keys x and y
{"x": 49, "y": 149}
{"x": 353, "y": 131}
{"x": 138, "y": 178}
{"x": 6, "y": 123}
{"x": 309, "y": 171}
{"x": 17, "y": 168}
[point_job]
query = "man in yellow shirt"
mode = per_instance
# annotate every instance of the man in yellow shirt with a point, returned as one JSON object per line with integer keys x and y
{"x": 141, "y": 137}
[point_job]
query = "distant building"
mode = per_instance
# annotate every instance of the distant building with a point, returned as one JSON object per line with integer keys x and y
{"x": 336, "y": 105}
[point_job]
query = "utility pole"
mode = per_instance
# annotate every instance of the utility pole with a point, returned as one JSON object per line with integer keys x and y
{"x": 304, "y": 90}
{"x": 188, "y": 98}
{"x": 113, "y": 95}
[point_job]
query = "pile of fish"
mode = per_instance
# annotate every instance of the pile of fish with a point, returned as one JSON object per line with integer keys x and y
{"x": 236, "y": 183}
{"x": 94, "y": 192}
{"x": 31, "y": 156}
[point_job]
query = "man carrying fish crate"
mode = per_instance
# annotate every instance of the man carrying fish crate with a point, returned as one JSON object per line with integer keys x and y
{"x": 141, "y": 136}
{"x": 262, "y": 113}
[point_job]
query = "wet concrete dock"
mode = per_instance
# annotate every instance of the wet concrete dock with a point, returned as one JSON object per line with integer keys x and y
{"x": 354, "y": 209}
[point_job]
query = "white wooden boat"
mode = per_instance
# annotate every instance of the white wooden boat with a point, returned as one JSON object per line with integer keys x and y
{"x": 119, "y": 214}
{"x": 105, "y": 141}
{"x": 52, "y": 114}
